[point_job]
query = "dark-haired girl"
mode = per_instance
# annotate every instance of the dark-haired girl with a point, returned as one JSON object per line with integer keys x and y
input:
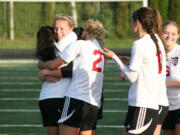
{"x": 51, "y": 97}
{"x": 146, "y": 72}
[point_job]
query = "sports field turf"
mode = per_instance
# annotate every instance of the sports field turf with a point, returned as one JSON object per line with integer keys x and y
{"x": 19, "y": 92}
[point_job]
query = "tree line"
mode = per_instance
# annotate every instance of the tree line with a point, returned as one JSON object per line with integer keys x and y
{"x": 115, "y": 16}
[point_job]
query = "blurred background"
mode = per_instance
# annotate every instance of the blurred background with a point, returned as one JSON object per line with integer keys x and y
{"x": 20, "y": 21}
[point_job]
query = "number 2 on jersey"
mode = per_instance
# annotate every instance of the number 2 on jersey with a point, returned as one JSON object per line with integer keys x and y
{"x": 98, "y": 60}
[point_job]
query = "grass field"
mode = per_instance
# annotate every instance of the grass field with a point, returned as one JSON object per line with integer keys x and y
{"x": 20, "y": 88}
{"x": 31, "y": 43}
{"x": 113, "y": 43}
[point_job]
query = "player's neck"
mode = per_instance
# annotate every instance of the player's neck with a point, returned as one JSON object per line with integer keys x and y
{"x": 141, "y": 33}
{"x": 170, "y": 48}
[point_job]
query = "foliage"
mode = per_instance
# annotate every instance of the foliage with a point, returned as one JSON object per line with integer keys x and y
{"x": 163, "y": 8}
{"x": 107, "y": 18}
{"x": 115, "y": 16}
{"x": 175, "y": 10}
{"x": 49, "y": 13}
{"x": 122, "y": 19}
{"x": 154, "y": 4}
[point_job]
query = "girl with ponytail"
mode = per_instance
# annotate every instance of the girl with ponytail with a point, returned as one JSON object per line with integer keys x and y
{"x": 146, "y": 72}
{"x": 163, "y": 105}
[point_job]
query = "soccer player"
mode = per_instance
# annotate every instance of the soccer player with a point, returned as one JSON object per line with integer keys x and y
{"x": 51, "y": 98}
{"x": 171, "y": 33}
{"x": 163, "y": 100}
{"x": 146, "y": 72}
{"x": 84, "y": 93}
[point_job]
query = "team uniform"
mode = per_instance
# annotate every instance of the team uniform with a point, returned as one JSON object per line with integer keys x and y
{"x": 51, "y": 99}
{"x": 83, "y": 95}
{"x": 173, "y": 73}
{"x": 163, "y": 106}
{"x": 148, "y": 84}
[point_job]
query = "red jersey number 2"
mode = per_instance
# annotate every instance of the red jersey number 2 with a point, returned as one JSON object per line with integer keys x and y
{"x": 98, "y": 60}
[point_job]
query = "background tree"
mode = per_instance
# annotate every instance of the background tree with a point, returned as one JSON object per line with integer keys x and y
{"x": 122, "y": 19}
{"x": 154, "y": 3}
{"x": 163, "y": 8}
{"x": 107, "y": 17}
{"x": 49, "y": 13}
{"x": 174, "y": 10}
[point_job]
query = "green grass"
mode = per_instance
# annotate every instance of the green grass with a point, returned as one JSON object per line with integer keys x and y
{"x": 31, "y": 44}
{"x": 12, "y": 77}
{"x": 113, "y": 43}
{"x": 17, "y": 44}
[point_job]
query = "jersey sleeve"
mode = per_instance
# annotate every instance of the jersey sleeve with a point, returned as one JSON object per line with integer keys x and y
{"x": 136, "y": 58}
{"x": 131, "y": 75}
{"x": 71, "y": 52}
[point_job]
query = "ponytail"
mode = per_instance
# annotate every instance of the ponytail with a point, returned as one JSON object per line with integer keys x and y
{"x": 158, "y": 25}
{"x": 151, "y": 23}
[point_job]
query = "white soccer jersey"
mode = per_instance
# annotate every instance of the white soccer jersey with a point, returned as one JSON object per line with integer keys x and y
{"x": 56, "y": 90}
{"x": 150, "y": 84}
{"x": 173, "y": 73}
{"x": 88, "y": 68}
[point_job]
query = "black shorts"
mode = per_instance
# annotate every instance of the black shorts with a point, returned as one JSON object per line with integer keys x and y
{"x": 162, "y": 112}
{"x": 140, "y": 120}
{"x": 100, "y": 109}
{"x": 51, "y": 111}
{"x": 172, "y": 118}
{"x": 79, "y": 114}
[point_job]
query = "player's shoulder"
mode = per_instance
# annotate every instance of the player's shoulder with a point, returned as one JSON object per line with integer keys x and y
{"x": 138, "y": 43}
{"x": 177, "y": 49}
{"x": 80, "y": 41}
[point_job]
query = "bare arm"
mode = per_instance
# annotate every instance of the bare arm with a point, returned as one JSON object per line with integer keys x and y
{"x": 52, "y": 79}
{"x": 50, "y": 75}
{"x": 52, "y": 64}
{"x": 131, "y": 75}
{"x": 172, "y": 84}
{"x": 54, "y": 73}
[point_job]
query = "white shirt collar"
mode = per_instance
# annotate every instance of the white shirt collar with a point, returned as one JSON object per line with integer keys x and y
{"x": 62, "y": 44}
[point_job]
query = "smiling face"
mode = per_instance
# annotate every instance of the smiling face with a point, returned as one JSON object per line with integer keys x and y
{"x": 62, "y": 29}
{"x": 170, "y": 33}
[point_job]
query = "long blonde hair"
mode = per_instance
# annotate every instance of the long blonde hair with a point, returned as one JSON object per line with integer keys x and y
{"x": 95, "y": 30}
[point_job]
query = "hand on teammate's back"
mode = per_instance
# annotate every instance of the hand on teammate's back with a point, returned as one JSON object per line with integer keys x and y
{"x": 108, "y": 53}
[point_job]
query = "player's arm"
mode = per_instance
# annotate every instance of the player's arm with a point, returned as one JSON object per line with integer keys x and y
{"x": 125, "y": 59}
{"x": 170, "y": 83}
{"x": 52, "y": 64}
{"x": 131, "y": 75}
{"x": 50, "y": 75}
{"x": 52, "y": 79}
{"x": 57, "y": 74}
{"x": 66, "y": 71}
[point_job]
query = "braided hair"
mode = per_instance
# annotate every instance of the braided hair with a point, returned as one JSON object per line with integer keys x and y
{"x": 148, "y": 19}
